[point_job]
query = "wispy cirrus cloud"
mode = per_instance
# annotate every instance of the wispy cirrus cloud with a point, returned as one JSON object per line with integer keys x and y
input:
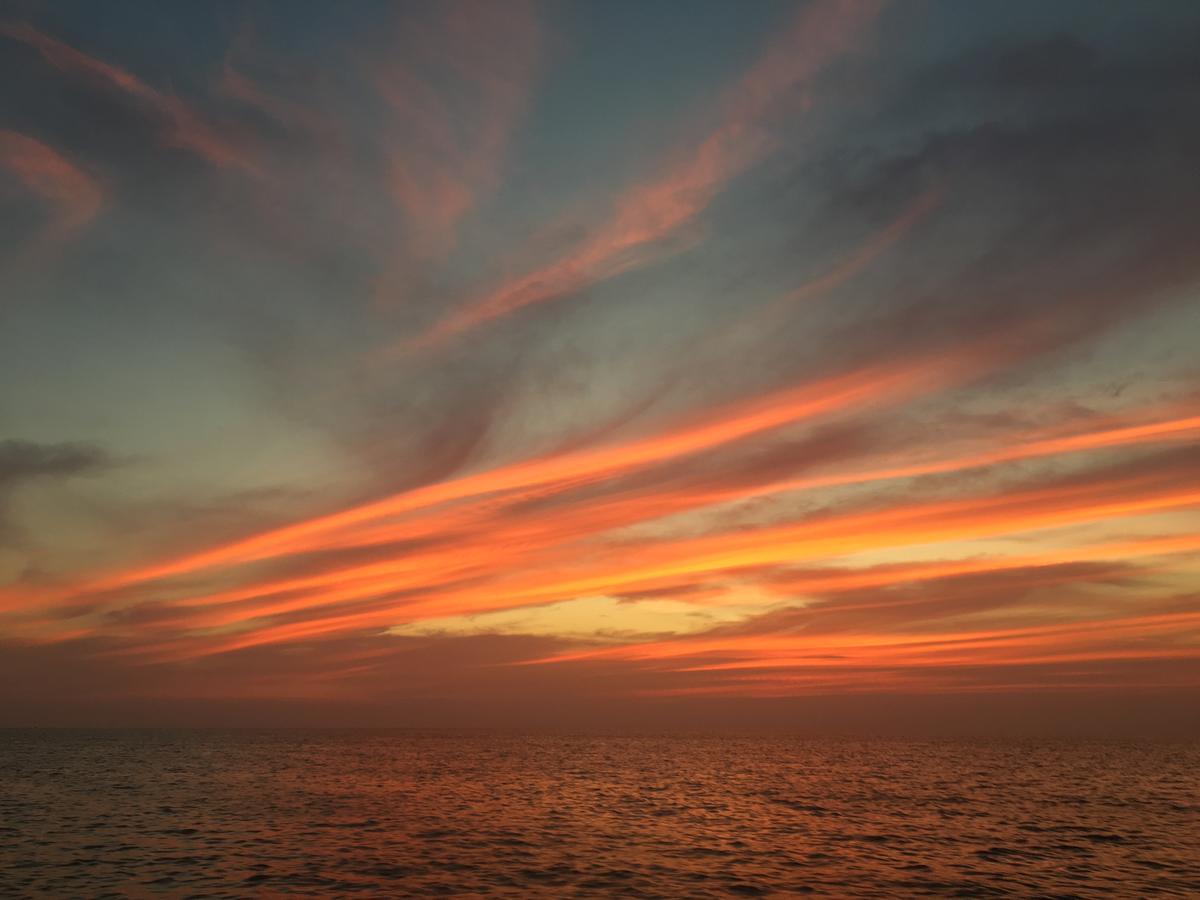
{"x": 944, "y": 627}
{"x": 923, "y": 419}
{"x": 790, "y": 406}
{"x": 456, "y": 88}
{"x": 75, "y": 197}
{"x": 498, "y": 552}
{"x": 380, "y": 599}
{"x": 182, "y": 126}
{"x": 296, "y": 117}
{"x": 651, "y": 212}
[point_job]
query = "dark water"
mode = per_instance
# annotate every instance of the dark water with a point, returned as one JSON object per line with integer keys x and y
{"x": 396, "y": 813}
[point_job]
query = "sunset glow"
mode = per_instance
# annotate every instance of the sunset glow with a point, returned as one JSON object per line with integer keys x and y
{"x": 547, "y": 355}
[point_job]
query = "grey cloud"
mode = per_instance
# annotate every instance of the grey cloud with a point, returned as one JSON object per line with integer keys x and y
{"x": 1069, "y": 202}
{"x": 26, "y": 460}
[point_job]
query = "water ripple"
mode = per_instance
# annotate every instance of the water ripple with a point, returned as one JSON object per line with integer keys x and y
{"x": 208, "y": 814}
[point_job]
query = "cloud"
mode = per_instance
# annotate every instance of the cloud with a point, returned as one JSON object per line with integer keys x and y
{"x": 650, "y": 213}
{"x": 813, "y": 445}
{"x": 763, "y": 414}
{"x": 1068, "y": 201}
{"x": 182, "y": 126}
{"x": 295, "y": 117}
{"x": 25, "y": 462}
{"x": 455, "y": 91}
{"x": 22, "y": 461}
{"x": 75, "y": 197}
{"x": 944, "y": 636}
{"x": 505, "y": 562}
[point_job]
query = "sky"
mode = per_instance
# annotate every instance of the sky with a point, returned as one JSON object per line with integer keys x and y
{"x": 803, "y": 365}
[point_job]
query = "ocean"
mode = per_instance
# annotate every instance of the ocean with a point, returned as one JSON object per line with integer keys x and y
{"x": 400, "y": 813}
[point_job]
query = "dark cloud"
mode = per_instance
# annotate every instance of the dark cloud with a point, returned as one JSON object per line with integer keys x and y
{"x": 667, "y": 593}
{"x": 22, "y": 461}
{"x": 1069, "y": 202}
{"x": 26, "y": 462}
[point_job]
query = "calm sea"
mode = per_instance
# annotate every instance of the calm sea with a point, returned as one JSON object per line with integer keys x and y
{"x": 214, "y": 814}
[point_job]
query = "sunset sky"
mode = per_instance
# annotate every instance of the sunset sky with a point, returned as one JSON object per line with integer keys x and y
{"x": 596, "y": 362}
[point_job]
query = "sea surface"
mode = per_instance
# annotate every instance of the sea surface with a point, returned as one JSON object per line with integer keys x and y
{"x": 234, "y": 814}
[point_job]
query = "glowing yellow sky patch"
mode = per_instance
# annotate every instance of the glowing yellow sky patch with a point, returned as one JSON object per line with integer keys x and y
{"x": 603, "y": 617}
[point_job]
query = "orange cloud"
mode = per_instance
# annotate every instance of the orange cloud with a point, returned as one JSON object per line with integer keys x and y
{"x": 184, "y": 129}
{"x": 478, "y": 536}
{"x": 1040, "y": 569}
{"x": 1186, "y": 428}
{"x": 1083, "y": 646}
{"x": 827, "y": 582}
{"x": 504, "y": 568}
{"x": 838, "y": 394}
{"x": 641, "y": 567}
{"x": 75, "y": 197}
{"x": 649, "y": 213}
{"x": 449, "y": 141}
{"x": 753, "y": 648}
{"x": 490, "y": 541}
{"x": 1101, "y": 639}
